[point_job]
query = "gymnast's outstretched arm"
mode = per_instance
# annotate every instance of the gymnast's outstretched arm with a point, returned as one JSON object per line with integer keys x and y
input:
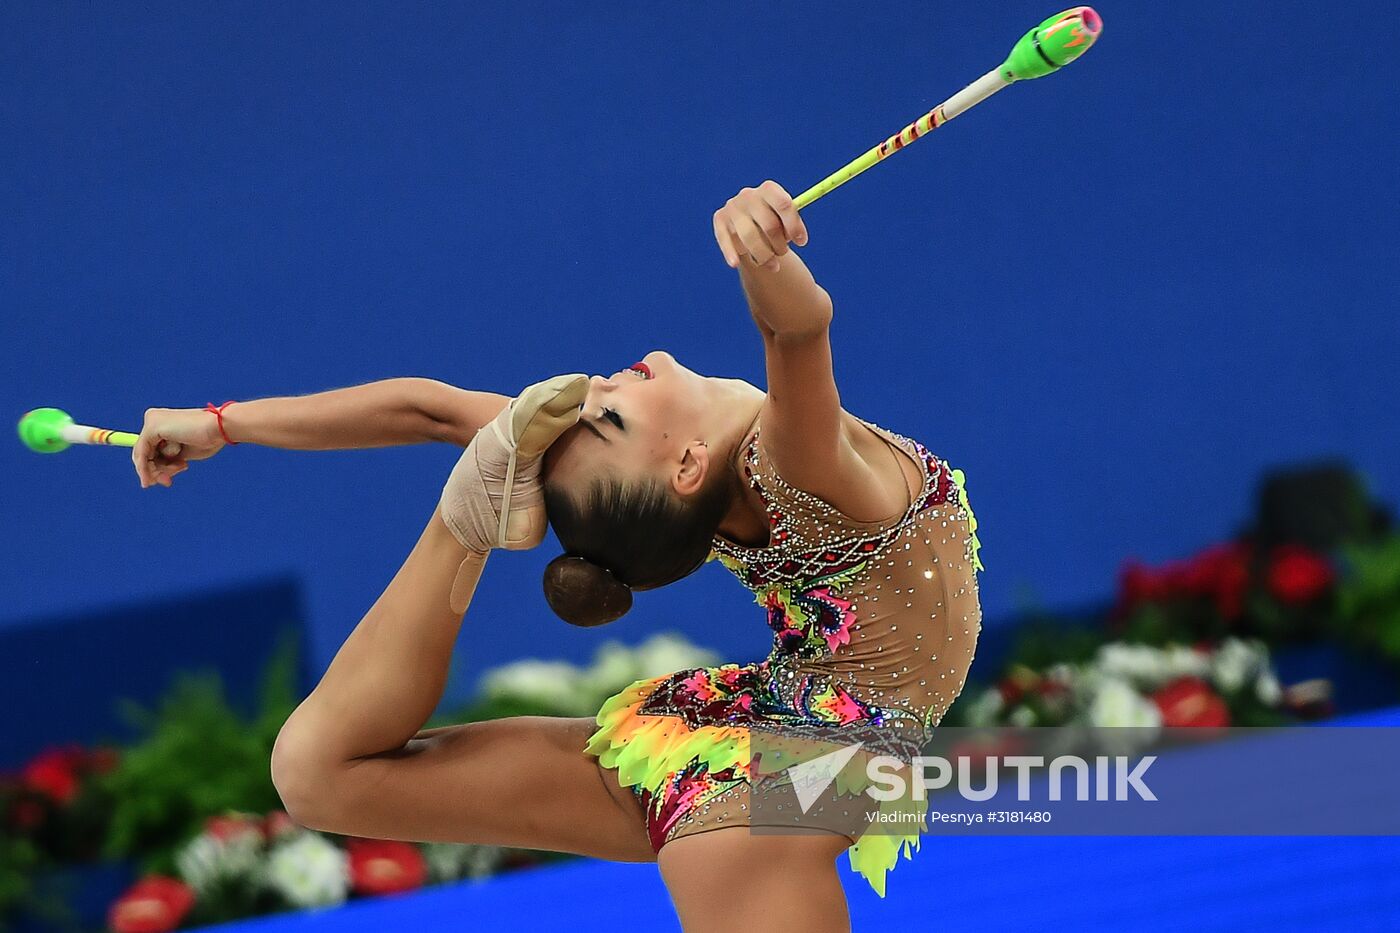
{"x": 386, "y": 413}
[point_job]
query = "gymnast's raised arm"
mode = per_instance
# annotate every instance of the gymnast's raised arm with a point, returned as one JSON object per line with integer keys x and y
{"x": 390, "y": 412}
{"x": 807, "y": 434}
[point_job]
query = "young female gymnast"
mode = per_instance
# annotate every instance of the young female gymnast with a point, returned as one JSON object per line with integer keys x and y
{"x": 858, "y": 542}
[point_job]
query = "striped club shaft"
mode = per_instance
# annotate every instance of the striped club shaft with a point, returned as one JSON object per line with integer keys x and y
{"x": 968, "y": 97}
{"x": 84, "y": 434}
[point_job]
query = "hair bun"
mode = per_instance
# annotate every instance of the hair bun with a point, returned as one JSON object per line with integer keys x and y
{"x": 582, "y": 593}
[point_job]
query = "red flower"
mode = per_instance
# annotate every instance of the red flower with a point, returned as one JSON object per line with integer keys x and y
{"x": 102, "y": 760}
{"x": 1138, "y": 583}
{"x": 276, "y": 824}
{"x": 382, "y": 866}
{"x": 980, "y": 751}
{"x": 1297, "y": 575}
{"x": 26, "y": 815}
{"x": 231, "y": 825}
{"x": 1017, "y": 683}
{"x": 1053, "y": 694}
{"x": 1189, "y": 701}
{"x": 1230, "y": 564}
{"x": 1011, "y": 691}
{"x": 1219, "y": 573}
{"x": 53, "y": 774}
{"x": 1194, "y": 576}
{"x": 155, "y": 904}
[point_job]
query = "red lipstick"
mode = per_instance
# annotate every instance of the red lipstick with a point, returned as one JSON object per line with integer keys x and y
{"x": 642, "y": 368}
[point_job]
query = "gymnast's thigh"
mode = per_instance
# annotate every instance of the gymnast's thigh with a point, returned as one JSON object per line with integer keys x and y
{"x": 733, "y": 878}
{"x": 523, "y": 781}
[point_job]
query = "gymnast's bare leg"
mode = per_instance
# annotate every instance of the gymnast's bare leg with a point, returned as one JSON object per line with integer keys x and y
{"x": 352, "y": 759}
{"x": 732, "y": 879}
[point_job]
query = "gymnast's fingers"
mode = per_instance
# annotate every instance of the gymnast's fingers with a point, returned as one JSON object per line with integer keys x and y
{"x": 736, "y": 243}
{"x": 141, "y": 459}
{"x": 782, "y": 204}
{"x": 768, "y": 221}
{"x": 755, "y": 241}
{"x": 166, "y": 477}
{"x": 724, "y": 236}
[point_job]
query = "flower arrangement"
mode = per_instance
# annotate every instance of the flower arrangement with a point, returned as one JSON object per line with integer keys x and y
{"x": 182, "y": 802}
{"x": 57, "y": 802}
{"x": 559, "y": 688}
{"x": 197, "y": 757}
{"x": 1137, "y": 685}
{"x": 244, "y": 865}
{"x": 53, "y": 811}
{"x": 1280, "y": 593}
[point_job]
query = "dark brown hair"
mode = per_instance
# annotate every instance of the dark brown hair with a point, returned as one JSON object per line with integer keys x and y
{"x": 627, "y": 536}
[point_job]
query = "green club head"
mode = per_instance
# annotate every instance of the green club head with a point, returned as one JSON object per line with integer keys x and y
{"x": 41, "y": 430}
{"x": 1053, "y": 44}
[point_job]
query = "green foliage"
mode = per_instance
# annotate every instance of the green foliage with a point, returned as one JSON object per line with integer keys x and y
{"x": 18, "y": 861}
{"x": 197, "y": 758}
{"x": 1247, "y": 710}
{"x": 1043, "y": 642}
{"x": 1368, "y": 599}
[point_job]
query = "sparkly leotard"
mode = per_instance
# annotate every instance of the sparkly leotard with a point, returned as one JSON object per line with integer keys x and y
{"x": 874, "y": 627}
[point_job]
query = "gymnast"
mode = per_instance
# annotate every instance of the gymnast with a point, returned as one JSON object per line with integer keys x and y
{"x": 857, "y": 542}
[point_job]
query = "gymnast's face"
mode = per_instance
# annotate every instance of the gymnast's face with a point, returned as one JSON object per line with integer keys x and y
{"x": 649, "y": 420}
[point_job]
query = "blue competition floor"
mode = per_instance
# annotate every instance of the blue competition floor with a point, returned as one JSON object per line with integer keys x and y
{"x": 1135, "y": 884}
{"x": 963, "y": 882}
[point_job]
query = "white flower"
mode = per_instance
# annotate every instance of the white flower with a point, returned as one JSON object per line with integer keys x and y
{"x": 1267, "y": 688}
{"x": 1061, "y": 673}
{"x": 449, "y": 861}
{"x": 1181, "y": 661}
{"x": 1117, "y": 704}
{"x": 557, "y": 685}
{"x": 1126, "y": 720}
{"x": 1237, "y": 663}
{"x": 983, "y": 711}
{"x": 309, "y": 870}
{"x": 207, "y": 862}
{"x": 1021, "y": 717}
{"x": 666, "y": 654}
{"x": 1085, "y": 683}
{"x": 614, "y": 667}
{"x": 1139, "y": 664}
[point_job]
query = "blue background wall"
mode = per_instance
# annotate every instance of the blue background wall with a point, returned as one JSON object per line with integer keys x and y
{"x": 1113, "y": 297}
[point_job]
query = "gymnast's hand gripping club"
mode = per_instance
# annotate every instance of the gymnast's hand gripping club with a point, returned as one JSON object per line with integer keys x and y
{"x": 50, "y": 430}
{"x": 1047, "y": 48}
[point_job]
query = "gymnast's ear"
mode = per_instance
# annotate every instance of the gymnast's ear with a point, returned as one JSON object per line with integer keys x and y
{"x": 690, "y": 477}
{"x": 582, "y": 593}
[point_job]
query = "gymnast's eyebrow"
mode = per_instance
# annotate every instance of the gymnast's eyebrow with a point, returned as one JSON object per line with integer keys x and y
{"x": 594, "y": 428}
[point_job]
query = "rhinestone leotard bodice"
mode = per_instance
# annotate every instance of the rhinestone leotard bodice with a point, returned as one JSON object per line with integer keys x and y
{"x": 872, "y": 621}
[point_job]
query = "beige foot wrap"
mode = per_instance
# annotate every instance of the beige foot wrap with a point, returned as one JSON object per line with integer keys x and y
{"x": 494, "y": 497}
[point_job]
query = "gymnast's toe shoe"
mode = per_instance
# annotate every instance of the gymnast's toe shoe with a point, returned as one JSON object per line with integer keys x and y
{"x": 544, "y": 411}
{"x": 495, "y": 497}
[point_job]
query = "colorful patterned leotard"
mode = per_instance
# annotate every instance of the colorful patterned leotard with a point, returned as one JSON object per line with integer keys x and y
{"x": 874, "y": 626}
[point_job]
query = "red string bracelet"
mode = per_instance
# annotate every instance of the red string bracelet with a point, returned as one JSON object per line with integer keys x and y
{"x": 219, "y": 413}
